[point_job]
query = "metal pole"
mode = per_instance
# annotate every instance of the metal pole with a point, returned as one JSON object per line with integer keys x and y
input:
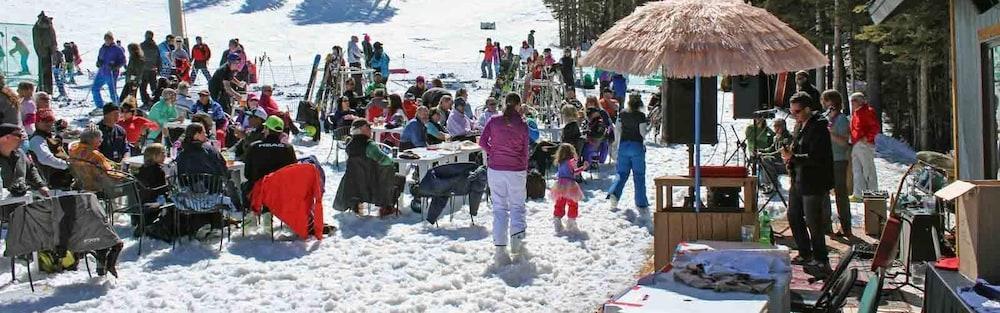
{"x": 697, "y": 143}
{"x": 176, "y": 18}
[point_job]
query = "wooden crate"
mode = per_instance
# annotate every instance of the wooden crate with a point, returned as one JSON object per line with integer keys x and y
{"x": 673, "y": 225}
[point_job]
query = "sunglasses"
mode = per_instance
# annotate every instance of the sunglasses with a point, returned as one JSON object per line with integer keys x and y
{"x": 202, "y": 96}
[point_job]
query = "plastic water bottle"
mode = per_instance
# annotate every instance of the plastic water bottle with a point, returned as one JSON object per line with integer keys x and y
{"x": 765, "y": 227}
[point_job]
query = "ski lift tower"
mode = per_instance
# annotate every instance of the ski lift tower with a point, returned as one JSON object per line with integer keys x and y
{"x": 177, "y": 19}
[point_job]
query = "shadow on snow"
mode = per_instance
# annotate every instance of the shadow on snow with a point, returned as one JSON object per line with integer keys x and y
{"x": 312, "y": 12}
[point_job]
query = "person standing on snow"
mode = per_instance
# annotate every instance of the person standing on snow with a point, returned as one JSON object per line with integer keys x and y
{"x": 380, "y": 61}
{"x": 354, "y": 57}
{"x": 631, "y": 154}
{"x": 150, "y": 69}
{"x": 44, "y": 35}
{"x": 201, "y": 54}
{"x": 489, "y": 53}
{"x": 69, "y": 57}
{"x": 181, "y": 60}
{"x": 109, "y": 60}
{"x": 20, "y": 47}
{"x": 526, "y": 51}
{"x": 166, "y": 62}
{"x": 504, "y": 140}
{"x": 531, "y": 38}
{"x": 864, "y": 128}
{"x": 566, "y": 66}
{"x": 367, "y": 46}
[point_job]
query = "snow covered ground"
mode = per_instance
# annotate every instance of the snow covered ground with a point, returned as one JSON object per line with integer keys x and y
{"x": 370, "y": 264}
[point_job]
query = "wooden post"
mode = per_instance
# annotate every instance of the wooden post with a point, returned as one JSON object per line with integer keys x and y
{"x": 176, "y": 18}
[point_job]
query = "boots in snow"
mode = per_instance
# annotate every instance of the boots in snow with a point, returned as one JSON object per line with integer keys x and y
{"x": 614, "y": 203}
{"x": 571, "y": 225}
{"x": 517, "y": 243}
{"x": 557, "y": 223}
{"x": 501, "y": 256}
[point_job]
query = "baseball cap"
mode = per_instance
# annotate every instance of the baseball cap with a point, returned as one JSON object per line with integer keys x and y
{"x": 274, "y": 123}
{"x": 7, "y": 129}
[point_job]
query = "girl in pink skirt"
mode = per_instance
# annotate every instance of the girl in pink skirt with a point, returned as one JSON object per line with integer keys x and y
{"x": 566, "y": 191}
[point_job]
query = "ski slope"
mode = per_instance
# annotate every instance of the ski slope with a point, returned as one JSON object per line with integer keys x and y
{"x": 369, "y": 264}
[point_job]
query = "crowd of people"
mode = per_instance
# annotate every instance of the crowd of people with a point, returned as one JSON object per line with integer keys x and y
{"x": 825, "y": 145}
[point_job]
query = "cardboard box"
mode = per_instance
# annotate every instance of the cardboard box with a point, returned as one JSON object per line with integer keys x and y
{"x": 976, "y": 204}
{"x": 875, "y": 215}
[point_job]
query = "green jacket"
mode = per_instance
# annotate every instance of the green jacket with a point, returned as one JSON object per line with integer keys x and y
{"x": 161, "y": 113}
{"x": 372, "y": 151}
{"x": 758, "y": 137}
{"x": 371, "y": 88}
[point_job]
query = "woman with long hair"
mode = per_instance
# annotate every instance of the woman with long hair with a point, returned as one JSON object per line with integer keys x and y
{"x": 631, "y": 154}
{"x": 133, "y": 71}
{"x": 505, "y": 142}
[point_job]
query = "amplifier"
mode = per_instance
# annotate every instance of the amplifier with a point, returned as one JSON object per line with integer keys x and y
{"x": 919, "y": 239}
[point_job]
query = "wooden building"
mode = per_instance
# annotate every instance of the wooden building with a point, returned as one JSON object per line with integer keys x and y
{"x": 975, "y": 72}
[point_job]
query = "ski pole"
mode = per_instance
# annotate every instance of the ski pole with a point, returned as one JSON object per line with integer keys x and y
{"x": 292, "y": 67}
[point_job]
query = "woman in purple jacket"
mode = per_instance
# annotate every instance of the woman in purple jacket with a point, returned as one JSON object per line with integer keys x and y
{"x": 505, "y": 142}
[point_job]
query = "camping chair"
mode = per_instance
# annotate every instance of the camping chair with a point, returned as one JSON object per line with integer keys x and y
{"x": 870, "y": 297}
{"x": 198, "y": 194}
{"x": 341, "y": 136}
{"x": 805, "y": 301}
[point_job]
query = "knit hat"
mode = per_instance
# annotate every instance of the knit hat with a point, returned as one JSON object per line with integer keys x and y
{"x": 7, "y": 129}
{"x": 420, "y": 79}
{"x": 252, "y": 97}
{"x": 274, "y": 123}
{"x": 108, "y": 108}
{"x": 233, "y": 57}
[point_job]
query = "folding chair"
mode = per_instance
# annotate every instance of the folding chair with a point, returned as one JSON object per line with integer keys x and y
{"x": 198, "y": 194}
{"x": 341, "y": 136}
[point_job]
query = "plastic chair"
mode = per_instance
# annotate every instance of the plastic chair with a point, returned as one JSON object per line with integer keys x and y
{"x": 198, "y": 194}
{"x": 341, "y": 136}
{"x": 870, "y": 297}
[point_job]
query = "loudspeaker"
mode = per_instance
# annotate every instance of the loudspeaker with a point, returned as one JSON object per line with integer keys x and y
{"x": 749, "y": 95}
{"x": 680, "y": 111}
{"x": 920, "y": 236}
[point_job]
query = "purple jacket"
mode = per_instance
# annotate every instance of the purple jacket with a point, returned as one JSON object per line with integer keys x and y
{"x": 109, "y": 60}
{"x": 505, "y": 144}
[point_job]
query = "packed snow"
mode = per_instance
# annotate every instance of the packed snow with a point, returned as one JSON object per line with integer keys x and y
{"x": 370, "y": 264}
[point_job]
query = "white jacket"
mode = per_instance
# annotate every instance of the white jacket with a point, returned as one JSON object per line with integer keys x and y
{"x": 41, "y": 150}
{"x": 354, "y": 53}
{"x": 526, "y": 53}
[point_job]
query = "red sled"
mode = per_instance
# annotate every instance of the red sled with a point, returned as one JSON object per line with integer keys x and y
{"x": 398, "y": 71}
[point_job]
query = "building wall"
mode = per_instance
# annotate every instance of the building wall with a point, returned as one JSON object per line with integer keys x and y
{"x": 968, "y": 78}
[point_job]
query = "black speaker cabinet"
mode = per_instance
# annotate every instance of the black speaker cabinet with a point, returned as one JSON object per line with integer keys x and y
{"x": 680, "y": 111}
{"x": 749, "y": 95}
{"x": 920, "y": 236}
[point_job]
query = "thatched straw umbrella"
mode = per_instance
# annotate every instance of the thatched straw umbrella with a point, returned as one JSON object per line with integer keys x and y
{"x": 694, "y": 38}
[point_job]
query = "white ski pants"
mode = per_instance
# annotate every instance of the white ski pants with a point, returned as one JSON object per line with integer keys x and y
{"x": 508, "y": 195}
{"x": 863, "y": 168}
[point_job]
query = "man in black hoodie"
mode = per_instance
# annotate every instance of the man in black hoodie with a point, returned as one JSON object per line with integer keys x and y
{"x": 810, "y": 158}
{"x": 45, "y": 44}
{"x": 802, "y": 84}
{"x": 269, "y": 154}
{"x": 149, "y": 70}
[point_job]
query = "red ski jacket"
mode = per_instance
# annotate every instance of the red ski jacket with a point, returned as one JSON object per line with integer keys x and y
{"x": 864, "y": 125}
{"x": 201, "y": 53}
{"x": 294, "y": 194}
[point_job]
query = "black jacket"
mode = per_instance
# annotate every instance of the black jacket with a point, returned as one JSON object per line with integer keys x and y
{"x": 812, "y": 163}
{"x": 416, "y": 91}
{"x": 365, "y": 181}
{"x": 813, "y": 93}
{"x": 566, "y": 67}
{"x": 19, "y": 173}
{"x": 571, "y": 135}
{"x": 152, "y": 178}
{"x": 267, "y": 156}
{"x": 199, "y": 158}
{"x": 152, "y": 54}
{"x": 114, "y": 145}
{"x": 455, "y": 179}
{"x": 433, "y": 95}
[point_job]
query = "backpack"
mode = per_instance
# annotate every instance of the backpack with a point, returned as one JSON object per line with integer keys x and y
{"x": 535, "y": 185}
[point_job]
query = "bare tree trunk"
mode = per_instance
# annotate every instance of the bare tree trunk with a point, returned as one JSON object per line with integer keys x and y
{"x": 838, "y": 53}
{"x": 923, "y": 100}
{"x": 874, "y": 87}
{"x": 820, "y": 72}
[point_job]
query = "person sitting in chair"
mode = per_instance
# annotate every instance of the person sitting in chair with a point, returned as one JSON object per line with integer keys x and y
{"x": 371, "y": 173}
{"x": 269, "y": 154}
{"x": 17, "y": 172}
{"x": 93, "y": 171}
{"x": 48, "y": 152}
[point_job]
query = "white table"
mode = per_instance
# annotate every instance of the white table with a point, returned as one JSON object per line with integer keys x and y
{"x": 660, "y": 290}
{"x": 379, "y": 130}
{"x": 236, "y": 168}
{"x": 553, "y": 134}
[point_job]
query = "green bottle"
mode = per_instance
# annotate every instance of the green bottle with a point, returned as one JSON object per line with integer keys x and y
{"x": 765, "y": 227}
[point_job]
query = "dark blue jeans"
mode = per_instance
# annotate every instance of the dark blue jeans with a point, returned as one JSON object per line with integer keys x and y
{"x": 631, "y": 158}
